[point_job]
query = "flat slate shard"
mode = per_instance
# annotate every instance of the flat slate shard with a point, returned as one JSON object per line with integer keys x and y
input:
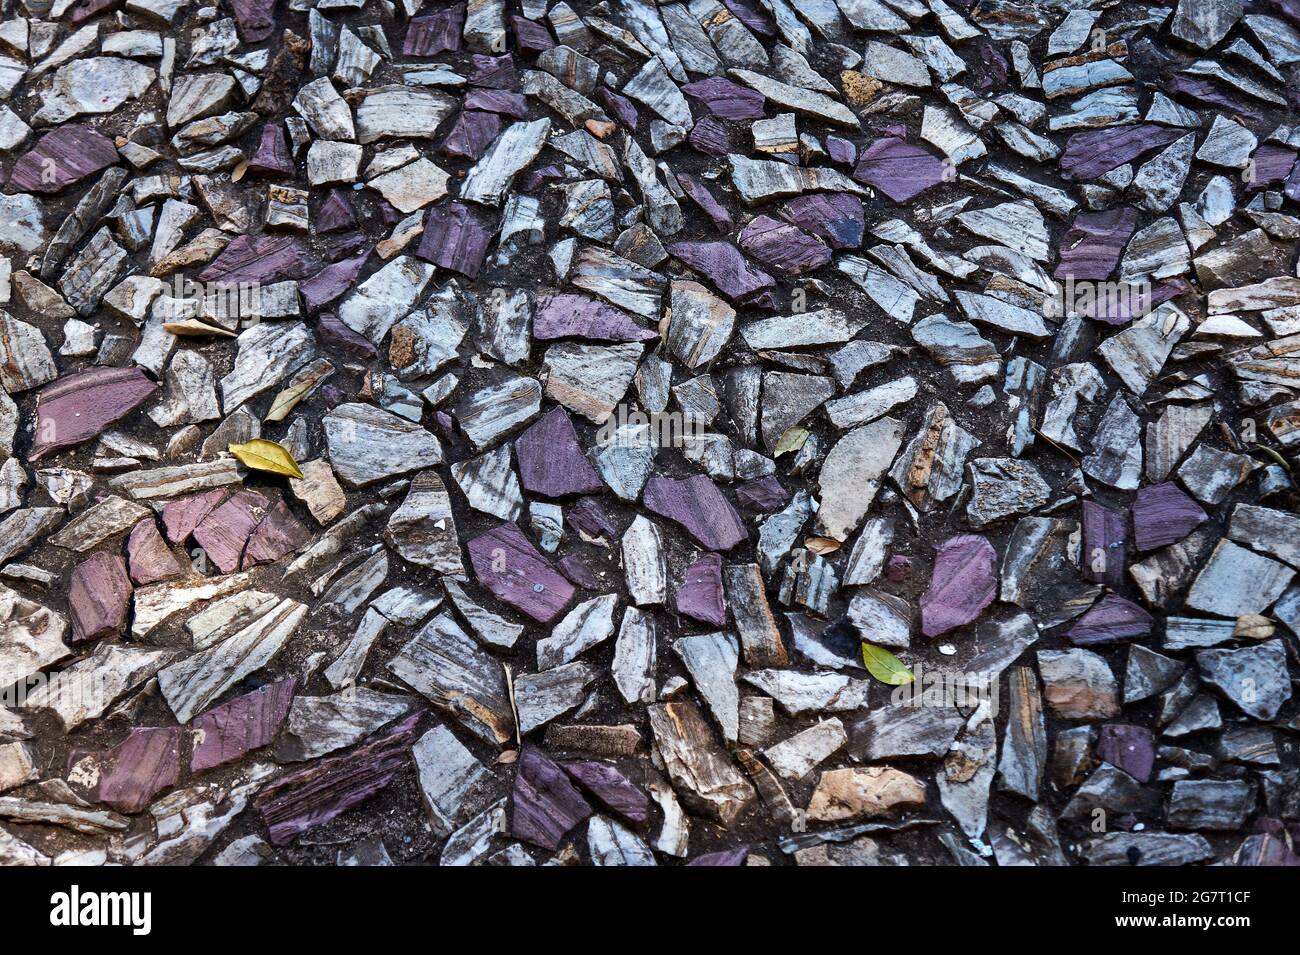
{"x": 445, "y": 665}
{"x": 551, "y": 462}
{"x": 61, "y": 158}
{"x": 25, "y": 359}
{"x": 321, "y": 791}
{"x": 590, "y": 379}
{"x": 1111, "y": 620}
{"x": 1254, "y": 678}
{"x": 899, "y": 169}
{"x": 128, "y": 776}
{"x": 368, "y": 444}
{"x": 508, "y": 565}
{"x": 851, "y": 475}
{"x": 33, "y": 637}
{"x": 99, "y": 593}
{"x": 227, "y": 732}
{"x": 1236, "y": 581}
{"x": 699, "y": 769}
{"x": 1001, "y": 487}
{"x": 697, "y": 505}
{"x": 963, "y": 583}
{"x": 423, "y": 529}
{"x": 192, "y": 684}
{"x": 541, "y": 697}
{"x": 544, "y": 804}
{"x": 1163, "y": 514}
{"x": 454, "y": 785}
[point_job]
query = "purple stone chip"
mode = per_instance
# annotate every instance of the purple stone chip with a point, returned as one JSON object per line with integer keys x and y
{"x": 963, "y": 583}
{"x": 1112, "y": 619}
{"x": 506, "y": 563}
{"x": 544, "y": 803}
{"x": 1163, "y": 514}
{"x": 80, "y": 406}
{"x": 696, "y": 504}
{"x": 551, "y": 462}
{"x": 228, "y": 732}
{"x": 701, "y": 596}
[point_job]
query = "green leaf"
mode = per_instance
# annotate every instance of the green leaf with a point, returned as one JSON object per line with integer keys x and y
{"x": 884, "y": 666}
{"x": 262, "y": 455}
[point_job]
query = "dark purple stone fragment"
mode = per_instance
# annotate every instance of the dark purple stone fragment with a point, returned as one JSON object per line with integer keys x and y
{"x": 1205, "y": 92}
{"x": 751, "y": 16}
{"x": 841, "y": 150}
{"x": 580, "y": 571}
{"x": 622, "y": 107}
{"x": 497, "y": 101}
{"x": 765, "y": 494}
{"x": 1128, "y": 747}
{"x": 506, "y": 563}
{"x": 726, "y": 100}
{"x": 471, "y": 134}
{"x": 437, "y": 33}
{"x": 1163, "y": 514}
{"x": 1096, "y": 152}
{"x": 225, "y": 531}
{"x": 255, "y": 19}
{"x": 128, "y": 776}
{"x": 1105, "y": 534}
{"x": 724, "y": 857}
{"x": 493, "y": 72}
{"x": 699, "y": 193}
{"x": 150, "y": 559}
{"x": 79, "y": 406}
{"x": 589, "y": 517}
{"x": 899, "y": 169}
{"x": 963, "y": 583}
{"x": 551, "y": 462}
{"x": 455, "y": 239}
{"x": 725, "y": 267}
{"x": 700, "y": 596}
{"x": 1111, "y": 619}
{"x": 278, "y": 534}
{"x": 336, "y": 213}
{"x": 321, "y": 791}
{"x": 99, "y": 594}
{"x": 696, "y": 504}
{"x": 331, "y": 282}
{"x": 610, "y": 788}
{"x": 544, "y": 803}
{"x": 530, "y": 35}
{"x": 899, "y": 568}
{"x": 1092, "y": 246}
{"x": 263, "y": 259}
{"x": 227, "y": 732}
{"x": 782, "y": 246}
{"x": 710, "y": 137}
{"x": 272, "y": 156}
{"x": 182, "y": 515}
{"x": 61, "y": 158}
{"x": 334, "y": 334}
{"x": 996, "y": 66}
{"x": 564, "y": 315}
{"x": 835, "y": 217}
{"x": 1273, "y": 163}
{"x": 1122, "y": 309}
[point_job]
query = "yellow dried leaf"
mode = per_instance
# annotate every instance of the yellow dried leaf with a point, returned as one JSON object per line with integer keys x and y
{"x": 262, "y": 455}
{"x": 192, "y": 327}
{"x": 791, "y": 440}
{"x": 821, "y": 545}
